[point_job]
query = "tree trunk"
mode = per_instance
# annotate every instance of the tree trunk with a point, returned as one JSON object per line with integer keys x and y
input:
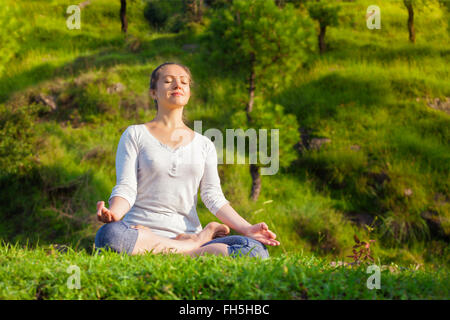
{"x": 200, "y": 11}
{"x": 256, "y": 182}
{"x": 280, "y": 3}
{"x": 123, "y": 15}
{"x": 254, "y": 169}
{"x": 322, "y": 45}
{"x": 251, "y": 89}
{"x": 194, "y": 10}
{"x": 412, "y": 32}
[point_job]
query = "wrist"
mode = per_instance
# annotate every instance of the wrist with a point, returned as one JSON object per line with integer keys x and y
{"x": 245, "y": 230}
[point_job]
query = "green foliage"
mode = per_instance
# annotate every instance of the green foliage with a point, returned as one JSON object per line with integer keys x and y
{"x": 217, "y": 4}
{"x": 165, "y": 15}
{"x": 13, "y": 33}
{"x": 18, "y": 138}
{"x": 269, "y": 116}
{"x": 258, "y": 36}
{"x": 325, "y": 12}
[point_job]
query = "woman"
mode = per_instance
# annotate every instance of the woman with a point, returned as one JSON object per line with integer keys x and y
{"x": 160, "y": 166}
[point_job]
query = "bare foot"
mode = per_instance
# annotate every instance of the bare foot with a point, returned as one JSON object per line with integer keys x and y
{"x": 211, "y": 231}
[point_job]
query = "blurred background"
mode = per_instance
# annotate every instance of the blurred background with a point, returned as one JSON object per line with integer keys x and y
{"x": 361, "y": 98}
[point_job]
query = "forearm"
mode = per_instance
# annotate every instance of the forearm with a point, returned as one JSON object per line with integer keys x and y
{"x": 119, "y": 206}
{"x": 231, "y": 218}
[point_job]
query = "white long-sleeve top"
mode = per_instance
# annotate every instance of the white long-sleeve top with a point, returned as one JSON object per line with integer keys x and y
{"x": 161, "y": 184}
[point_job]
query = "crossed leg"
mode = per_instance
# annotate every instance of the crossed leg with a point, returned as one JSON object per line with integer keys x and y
{"x": 186, "y": 244}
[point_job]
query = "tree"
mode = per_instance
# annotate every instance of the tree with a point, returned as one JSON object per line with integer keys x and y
{"x": 282, "y": 3}
{"x": 445, "y": 4}
{"x": 326, "y": 14}
{"x": 216, "y": 4}
{"x": 412, "y": 32}
{"x": 411, "y": 6}
{"x": 263, "y": 44}
{"x": 166, "y": 15}
{"x": 194, "y": 10}
{"x": 123, "y": 15}
{"x": 268, "y": 116}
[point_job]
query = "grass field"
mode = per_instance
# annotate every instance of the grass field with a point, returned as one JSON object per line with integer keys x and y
{"x": 44, "y": 273}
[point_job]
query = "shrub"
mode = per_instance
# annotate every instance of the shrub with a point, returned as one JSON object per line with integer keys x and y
{"x": 165, "y": 15}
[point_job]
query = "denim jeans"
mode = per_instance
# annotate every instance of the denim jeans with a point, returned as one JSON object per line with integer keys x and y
{"x": 242, "y": 246}
{"x": 119, "y": 236}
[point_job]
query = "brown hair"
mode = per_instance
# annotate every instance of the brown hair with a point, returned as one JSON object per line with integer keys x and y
{"x": 155, "y": 76}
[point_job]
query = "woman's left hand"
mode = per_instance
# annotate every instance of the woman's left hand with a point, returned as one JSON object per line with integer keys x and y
{"x": 261, "y": 232}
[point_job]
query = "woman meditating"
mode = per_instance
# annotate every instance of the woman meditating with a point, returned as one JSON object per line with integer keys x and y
{"x": 160, "y": 166}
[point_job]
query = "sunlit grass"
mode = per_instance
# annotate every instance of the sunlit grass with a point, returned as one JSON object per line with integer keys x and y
{"x": 369, "y": 90}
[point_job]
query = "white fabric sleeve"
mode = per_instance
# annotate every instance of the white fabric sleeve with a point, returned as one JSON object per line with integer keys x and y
{"x": 126, "y": 167}
{"x": 210, "y": 189}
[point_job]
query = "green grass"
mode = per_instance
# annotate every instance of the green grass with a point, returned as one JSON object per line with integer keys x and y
{"x": 42, "y": 272}
{"x": 369, "y": 89}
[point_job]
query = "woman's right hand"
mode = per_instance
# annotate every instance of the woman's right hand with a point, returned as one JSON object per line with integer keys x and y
{"x": 104, "y": 214}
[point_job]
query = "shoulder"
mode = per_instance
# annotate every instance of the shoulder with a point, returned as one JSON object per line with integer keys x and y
{"x": 208, "y": 148}
{"x": 132, "y": 133}
{"x": 205, "y": 142}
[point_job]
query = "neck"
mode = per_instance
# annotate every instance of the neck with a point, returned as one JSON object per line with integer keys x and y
{"x": 170, "y": 118}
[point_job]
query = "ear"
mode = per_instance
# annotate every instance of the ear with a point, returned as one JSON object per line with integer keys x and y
{"x": 152, "y": 93}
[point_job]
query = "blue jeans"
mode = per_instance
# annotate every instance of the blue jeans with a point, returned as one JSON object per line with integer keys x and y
{"x": 120, "y": 237}
{"x": 242, "y": 246}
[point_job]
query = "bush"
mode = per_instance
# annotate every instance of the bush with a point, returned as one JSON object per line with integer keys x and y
{"x": 18, "y": 138}
{"x": 165, "y": 15}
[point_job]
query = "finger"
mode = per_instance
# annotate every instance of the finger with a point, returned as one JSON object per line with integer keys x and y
{"x": 271, "y": 234}
{"x": 264, "y": 226}
{"x": 106, "y": 214}
{"x": 263, "y": 240}
{"x": 272, "y": 243}
{"x": 110, "y": 214}
{"x": 100, "y": 204}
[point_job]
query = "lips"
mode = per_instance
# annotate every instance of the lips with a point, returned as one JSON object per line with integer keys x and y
{"x": 177, "y": 94}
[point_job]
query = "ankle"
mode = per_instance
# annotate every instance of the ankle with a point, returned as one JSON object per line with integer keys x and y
{"x": 204, "y": 236}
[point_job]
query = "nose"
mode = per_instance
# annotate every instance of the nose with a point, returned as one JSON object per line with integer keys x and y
{"x": 177, "y": 83}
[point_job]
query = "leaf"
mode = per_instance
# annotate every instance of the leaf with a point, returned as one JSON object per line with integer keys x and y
{"x": 356, "y": 239}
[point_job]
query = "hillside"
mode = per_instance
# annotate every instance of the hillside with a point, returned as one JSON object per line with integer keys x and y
{"x": 372, "y": 111}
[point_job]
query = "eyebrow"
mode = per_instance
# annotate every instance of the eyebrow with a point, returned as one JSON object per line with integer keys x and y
{"x": 170, "y": 75}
